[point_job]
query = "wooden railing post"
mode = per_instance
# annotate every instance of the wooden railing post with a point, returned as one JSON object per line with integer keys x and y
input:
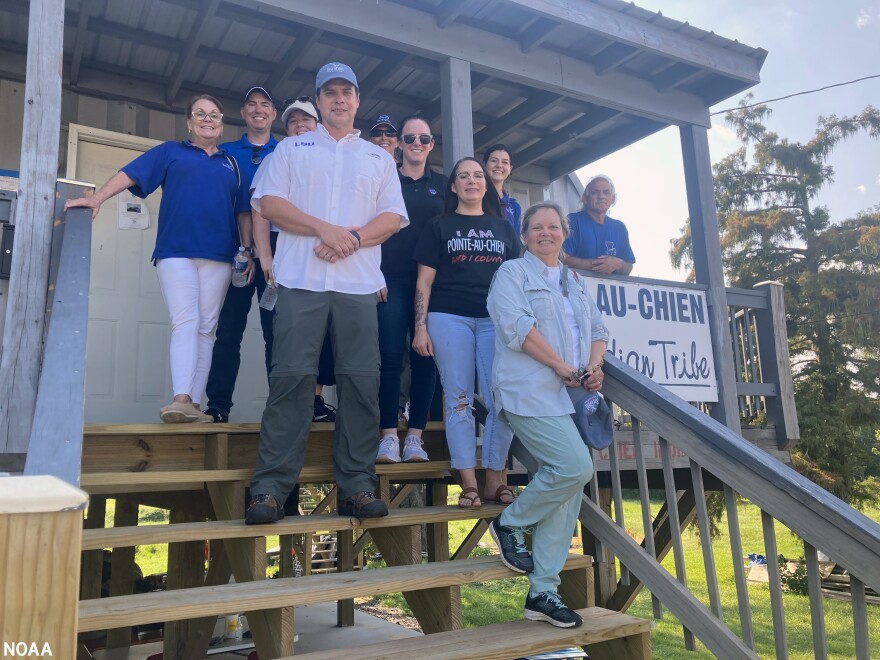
{"x": 41, "y": 527}
{"x": 776, "y": 364}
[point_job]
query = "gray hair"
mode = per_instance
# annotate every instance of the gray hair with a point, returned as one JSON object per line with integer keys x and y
{"x": 600, "y": 177}
{"x": 534, "y": 208}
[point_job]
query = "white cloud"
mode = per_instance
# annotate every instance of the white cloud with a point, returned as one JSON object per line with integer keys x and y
{"x": 861, "y": 189}
{"x": 866, "y": 17}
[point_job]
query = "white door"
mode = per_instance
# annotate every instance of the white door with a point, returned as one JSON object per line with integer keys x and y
{"x": 127, "y": 367}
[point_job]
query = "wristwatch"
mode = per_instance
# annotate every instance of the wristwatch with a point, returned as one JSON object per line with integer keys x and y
{"x": 249, "y": 249}
{"x": 356, "y": 235}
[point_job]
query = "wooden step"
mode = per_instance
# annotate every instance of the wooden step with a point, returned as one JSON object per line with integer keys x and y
{"x": 181, "y": 604}
{"x": 122, "y": 537}
{"x": 513, "y": 639}
{"x": 118, "y": 483}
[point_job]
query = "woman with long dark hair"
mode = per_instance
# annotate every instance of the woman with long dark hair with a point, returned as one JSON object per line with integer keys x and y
{"x": 458, "y": 254}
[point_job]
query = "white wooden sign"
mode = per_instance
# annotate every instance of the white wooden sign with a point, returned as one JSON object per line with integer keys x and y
{"x": 662, "y": 331}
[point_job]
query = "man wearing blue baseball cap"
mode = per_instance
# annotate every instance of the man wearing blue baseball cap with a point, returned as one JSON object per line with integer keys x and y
{"x": 335, "y": 199}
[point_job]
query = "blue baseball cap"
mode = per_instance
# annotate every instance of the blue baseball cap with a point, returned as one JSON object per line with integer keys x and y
{"x": 332, "y": 71}
{"x": 383, "y": 120}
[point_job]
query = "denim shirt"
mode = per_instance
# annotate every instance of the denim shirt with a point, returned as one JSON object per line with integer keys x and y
{"x": 521, "y": 297}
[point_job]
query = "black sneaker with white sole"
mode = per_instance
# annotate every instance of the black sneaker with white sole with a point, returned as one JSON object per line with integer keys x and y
{"x": 547, "y": 606}
{"x": 218, "y": 415}
{"x": 323, "y": 412}
{"x": 511, "y": 542}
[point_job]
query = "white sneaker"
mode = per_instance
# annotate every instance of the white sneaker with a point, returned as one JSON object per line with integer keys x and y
{"x": 412, "y": 450}
{"x": 389, "y": 450}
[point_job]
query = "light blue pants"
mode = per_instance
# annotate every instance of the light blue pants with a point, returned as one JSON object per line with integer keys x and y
{"x": 460, "y": 344}
{"x": 551, "y": 501}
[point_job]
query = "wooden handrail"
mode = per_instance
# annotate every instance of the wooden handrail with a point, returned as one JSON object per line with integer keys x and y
{"x": 813, "y": 513}
{"x": 55, "y": 446}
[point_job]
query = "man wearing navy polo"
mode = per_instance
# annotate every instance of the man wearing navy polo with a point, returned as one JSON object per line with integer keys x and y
{"x": 335, "y": 199}
{"x": 258, "y": 112}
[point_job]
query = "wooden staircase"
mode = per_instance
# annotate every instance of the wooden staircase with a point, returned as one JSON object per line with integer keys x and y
{"x": 200, "y": 472}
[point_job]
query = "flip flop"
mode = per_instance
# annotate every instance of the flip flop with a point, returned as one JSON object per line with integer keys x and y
{"x": 467, "y": 497}
{"x": 502, "y": 491}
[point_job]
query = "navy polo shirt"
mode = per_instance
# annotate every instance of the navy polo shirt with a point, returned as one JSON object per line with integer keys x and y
{"x": 424, "y": 201}
{"x": 197, "y": 212}
{"x": 512, "y": 211}
{"x": 245, "y": 154}
{"x": 590, "y": 240}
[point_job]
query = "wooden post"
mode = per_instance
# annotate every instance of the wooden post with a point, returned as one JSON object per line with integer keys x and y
{"x": 457, "y": 108}
{"x": 707, "y": 265}
{"x": 122, "y": 573}
{"x": 41, "y": 527}
{"x": 186, "y": 569}
{"x": 776, "y": 364}
{"x": 28, "y": 282}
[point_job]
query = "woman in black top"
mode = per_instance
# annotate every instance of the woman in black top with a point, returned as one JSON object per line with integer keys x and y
{"x": 458, "y": 254}
{"x": 423, "y": 193}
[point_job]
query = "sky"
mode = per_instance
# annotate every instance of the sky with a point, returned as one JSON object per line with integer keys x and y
{"x": 811, "y": 43}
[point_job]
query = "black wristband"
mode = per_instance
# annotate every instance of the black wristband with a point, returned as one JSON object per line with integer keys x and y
{"x": 356, "y": 235}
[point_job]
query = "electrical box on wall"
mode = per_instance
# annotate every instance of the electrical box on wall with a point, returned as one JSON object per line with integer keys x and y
{"x": 7, "y": 208}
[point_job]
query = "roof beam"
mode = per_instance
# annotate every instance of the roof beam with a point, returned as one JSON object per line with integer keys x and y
{"x": 431, "y": 112}
{"x": 633, "y": 31}
{"x": 613, "y": 56}
{"x": 449, "y": 11}
{"x": 292, "y": 57}
{"x": 567, "y": 133}
{"x": 676, "y": 76}
{"x": 521, "y": 113}
{"x": 602, "y": 147}
{"x": 79, "y": 43}
{"x": 537, "y": 34}
{"x": 192, "y": 41}
{"x": 390, "y": 64}
{"x": 413, "y": 31}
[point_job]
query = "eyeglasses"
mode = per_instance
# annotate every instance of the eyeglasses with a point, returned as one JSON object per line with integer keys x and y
{"x": 467, "y": 176}
{"x": 378, "y": 132}
{"x": 298, "y": 99}
{"x": 201, "y": 115}
{"x": 256, "y": 156}
{"x": 424, "y": 139}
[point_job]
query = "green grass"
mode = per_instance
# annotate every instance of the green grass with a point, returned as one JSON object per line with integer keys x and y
{"x": 502, "y": 600}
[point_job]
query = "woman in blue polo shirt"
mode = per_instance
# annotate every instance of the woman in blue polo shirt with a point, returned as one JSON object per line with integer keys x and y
{"x": 499, "y": 164}
{"x": 195, "y": 243}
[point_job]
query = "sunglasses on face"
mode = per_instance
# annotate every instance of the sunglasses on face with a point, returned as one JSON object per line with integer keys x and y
{"x": 378, "y": 132}
{"x": 298, "y": 99}
{"x": 424, "y": 139}
{"x": 201, "y": 115}
{"x": 256, "y": 156}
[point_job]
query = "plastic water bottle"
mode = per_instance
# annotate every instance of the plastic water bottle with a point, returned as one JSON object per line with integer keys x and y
{"x": 239, "y": 266}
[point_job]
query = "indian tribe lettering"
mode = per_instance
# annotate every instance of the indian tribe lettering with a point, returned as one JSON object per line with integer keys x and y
{"x": 478, "y": 246}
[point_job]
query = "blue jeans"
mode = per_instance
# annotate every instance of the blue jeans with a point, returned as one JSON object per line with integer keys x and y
{"x": 396, "y": 318}
{"x": 226, "y": 358}
{"x": 552, "y": 500}
{"x": 463, "y": 345}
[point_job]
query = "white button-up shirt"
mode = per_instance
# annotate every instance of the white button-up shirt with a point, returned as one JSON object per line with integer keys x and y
{"x": 346, "y": 183}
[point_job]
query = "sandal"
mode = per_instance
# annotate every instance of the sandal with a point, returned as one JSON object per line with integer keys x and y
{"x": 501, "y": 493}
{"x": 469, "y": 498}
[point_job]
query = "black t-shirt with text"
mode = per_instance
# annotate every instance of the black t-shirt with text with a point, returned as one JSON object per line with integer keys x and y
{"x": 465, "y": 250}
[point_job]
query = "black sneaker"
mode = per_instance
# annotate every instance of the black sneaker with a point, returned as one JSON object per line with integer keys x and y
{"x": 323, "y": 412}
{"x": 512, "y": 544}
{"x": 219, "y": 416}
{"x": 547, "y": 606}
{"x": 363, "y": 505}
{"x": 263, "y": 509}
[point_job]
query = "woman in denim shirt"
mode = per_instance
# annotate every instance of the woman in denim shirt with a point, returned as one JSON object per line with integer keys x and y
{"x": 548, "y": 336}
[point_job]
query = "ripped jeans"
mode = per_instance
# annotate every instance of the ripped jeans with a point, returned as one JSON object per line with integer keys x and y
{"x": 463, "y": 346}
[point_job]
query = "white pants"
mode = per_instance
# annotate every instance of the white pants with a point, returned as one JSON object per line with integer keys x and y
{"x": 194, "y": 290}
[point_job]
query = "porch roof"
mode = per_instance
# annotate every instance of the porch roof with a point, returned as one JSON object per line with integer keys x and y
{"x": 562, "y": 83}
